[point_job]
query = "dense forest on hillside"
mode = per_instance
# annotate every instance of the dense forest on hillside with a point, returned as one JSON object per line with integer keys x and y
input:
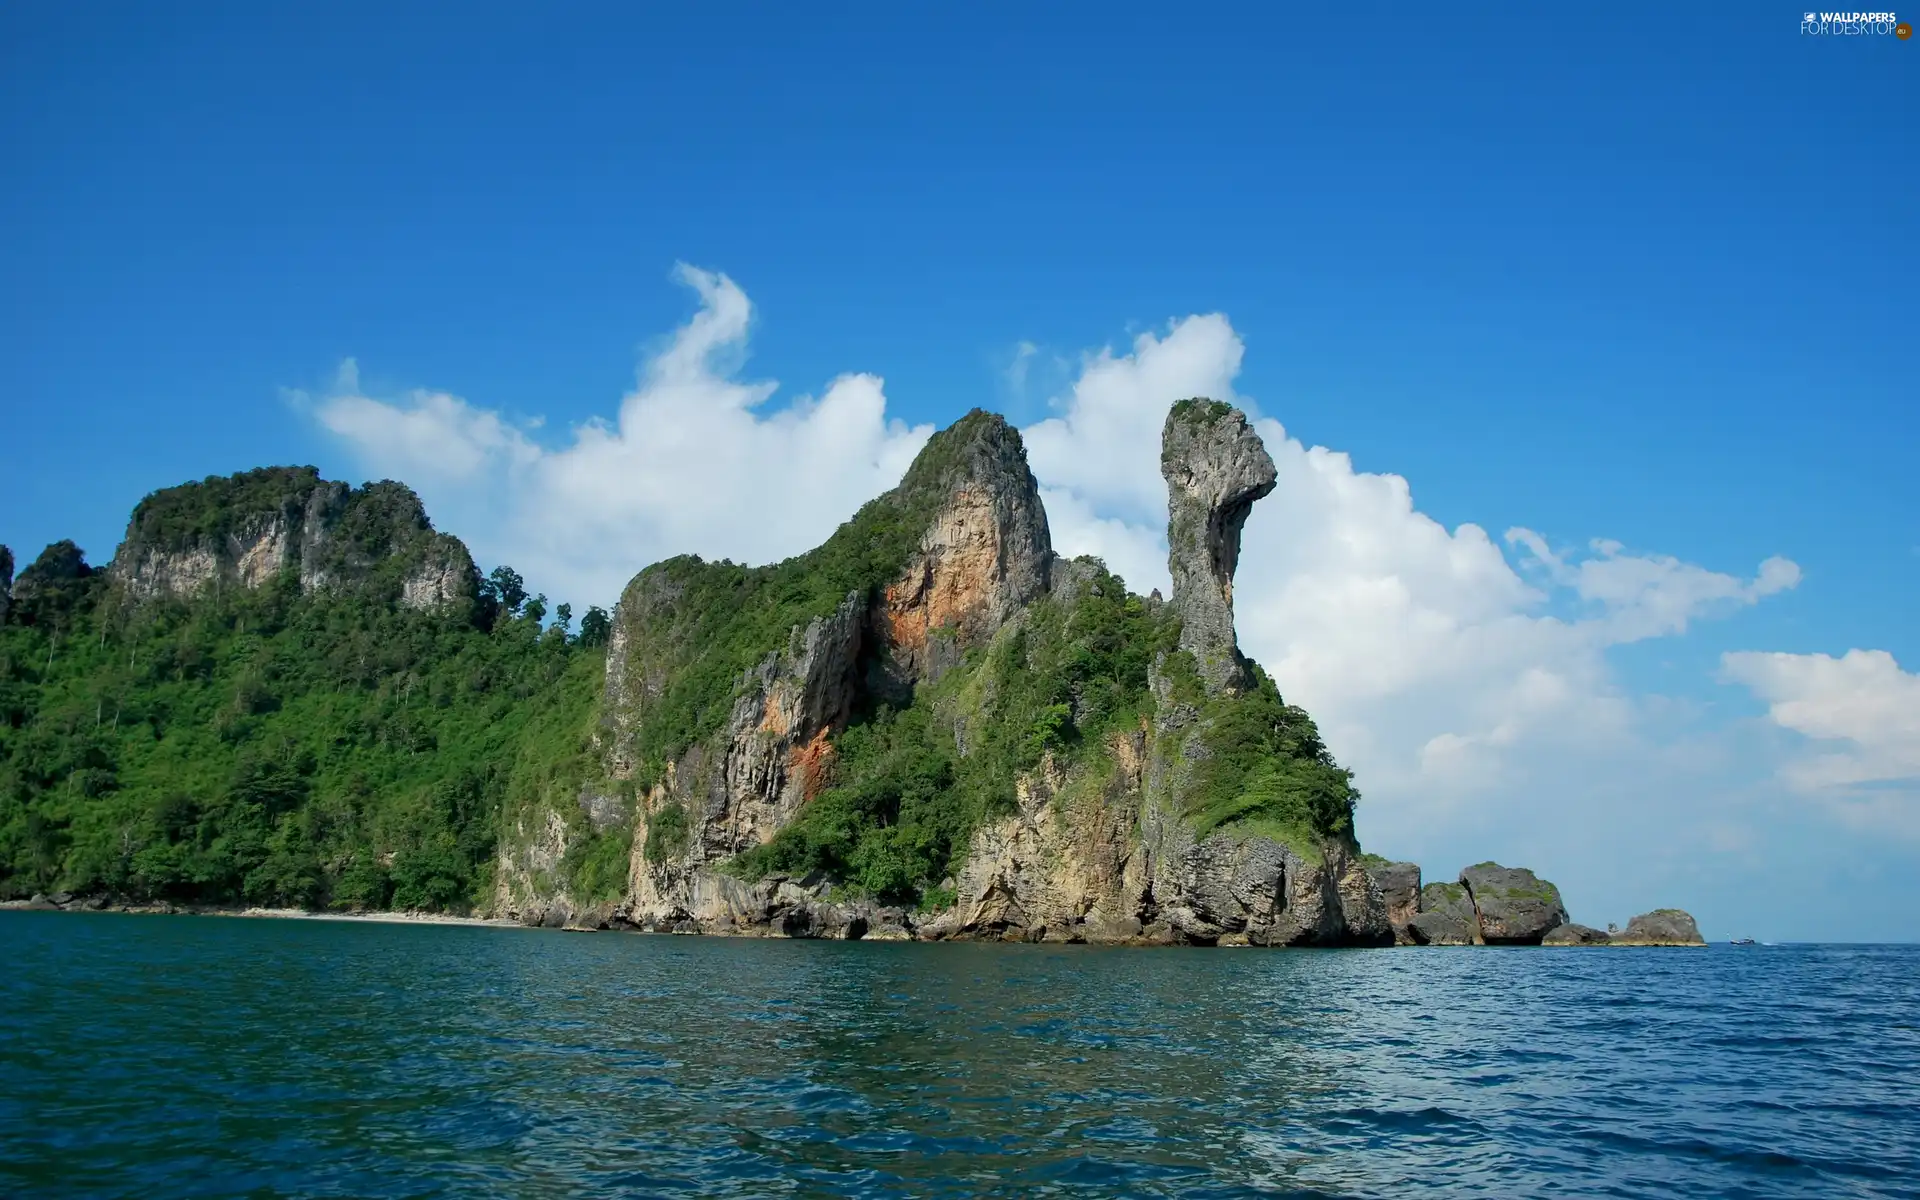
{"x": 272, "y": 747}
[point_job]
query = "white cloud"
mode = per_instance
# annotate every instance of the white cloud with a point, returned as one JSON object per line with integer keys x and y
{"x": 430, "y": 436}
{"x": 1105, "y": 446}
{"x": 1861, "y": 713}
{"x": 1023, "y": 356}
{"x": 1433, "y": 665}
{"x": 1652, "y": 596}
{"x": 691, "y": 463}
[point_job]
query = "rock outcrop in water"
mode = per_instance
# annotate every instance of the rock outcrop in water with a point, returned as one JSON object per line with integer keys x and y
{"x": 1575, "y": 935}
{"x": 1511, "y": 905}
{"x": 1661, "y": 927}
{"x": 1399, "y": 887}
{"x": 1446, "y": 917}
{"x": 1492, "y": 905}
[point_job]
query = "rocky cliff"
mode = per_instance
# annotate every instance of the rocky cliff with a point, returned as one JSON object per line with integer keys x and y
{"x": 255, "y": 528}
{"x": 934, "y": 727}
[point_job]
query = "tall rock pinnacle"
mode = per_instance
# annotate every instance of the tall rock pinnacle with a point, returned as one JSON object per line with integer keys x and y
{"x": 985, "y": 555}
{"x": 1215, "y": 467}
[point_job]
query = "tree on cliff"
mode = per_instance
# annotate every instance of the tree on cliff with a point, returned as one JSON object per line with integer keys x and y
{"x": 595, "y": 626}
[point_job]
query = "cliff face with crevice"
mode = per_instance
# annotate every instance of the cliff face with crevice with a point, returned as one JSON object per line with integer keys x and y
{"x": 934, "y": 727}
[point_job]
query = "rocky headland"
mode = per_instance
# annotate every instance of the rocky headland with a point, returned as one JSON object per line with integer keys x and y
{"x": 1200, "y": 809}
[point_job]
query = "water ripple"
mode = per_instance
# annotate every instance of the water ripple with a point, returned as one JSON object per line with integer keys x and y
{"x": 160, "y": 1057}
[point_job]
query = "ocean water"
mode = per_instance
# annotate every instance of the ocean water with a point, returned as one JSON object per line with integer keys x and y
{"x": 183, "y": 1056}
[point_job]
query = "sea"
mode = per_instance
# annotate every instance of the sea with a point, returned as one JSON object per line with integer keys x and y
{"x": 158, "y": 1056}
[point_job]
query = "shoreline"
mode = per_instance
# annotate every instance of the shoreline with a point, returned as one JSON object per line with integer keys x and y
{"x": 257, "y": 912}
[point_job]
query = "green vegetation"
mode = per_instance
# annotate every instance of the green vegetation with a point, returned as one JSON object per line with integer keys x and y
{"x": 905, "y": 801}
{"x": 218, "y": 506}
{"x": 1543, "y": 891}
{"x": 1261, "y": 766}
{"x": 1197, "y": 411}
{"x": 269, "y": 747}
{"x": 669, "y": 833}
{"x": 595, "y": 865}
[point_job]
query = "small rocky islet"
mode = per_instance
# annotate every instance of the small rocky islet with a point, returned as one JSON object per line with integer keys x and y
{"x": 931, "y": 727}
{"x": 1492, "y": 905}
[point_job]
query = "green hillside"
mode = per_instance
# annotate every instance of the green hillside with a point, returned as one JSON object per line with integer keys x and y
{"x": 272, "y": 747}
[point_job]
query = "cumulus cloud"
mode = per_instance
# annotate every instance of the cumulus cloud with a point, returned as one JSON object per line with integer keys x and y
{"x": 1442, "y": 671}
{"x": 1654, "y": 595}
{"x": 431, "y": 435}
{"x": 692, "y": 462}
{"x": 1859, "y": 716}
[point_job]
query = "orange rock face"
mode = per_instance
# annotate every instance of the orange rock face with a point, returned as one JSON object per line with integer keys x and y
{"x": 953, "y": 581}
{"x": 811, "y": 765}
{"x": 773, "y": 720}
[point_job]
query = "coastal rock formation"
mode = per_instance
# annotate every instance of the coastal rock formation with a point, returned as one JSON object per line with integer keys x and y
{"x": 1496, "y": 905}
{"x": 1661, "y": 927}
{"x": 985, "y": 557}
{"x": 1399, "y": 887}
{"x": 1440, "y": 929}
{"x": 1225, "y": 885}
{"x": 1085, "y": 811}
{"x": 1447, "y": 917}
{"x": 1454, "y": 903}
{"x": 245, "y": 531}
{"x": 930, "y": 726}
{"x": 1512, "y": 905}
{"x": 1215, "y": 467}
{"x": 1063, "y": 867}
{"x": 1575, "y": 935}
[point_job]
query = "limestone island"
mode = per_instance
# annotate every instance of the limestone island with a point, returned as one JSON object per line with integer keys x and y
{"x": 287, "y": 692}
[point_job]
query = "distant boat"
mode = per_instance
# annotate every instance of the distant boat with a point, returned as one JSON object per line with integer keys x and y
{"x": 1743, "y": 941}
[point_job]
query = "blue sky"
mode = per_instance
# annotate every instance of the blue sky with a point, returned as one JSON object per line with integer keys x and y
{"x": 1642, "y": 275}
